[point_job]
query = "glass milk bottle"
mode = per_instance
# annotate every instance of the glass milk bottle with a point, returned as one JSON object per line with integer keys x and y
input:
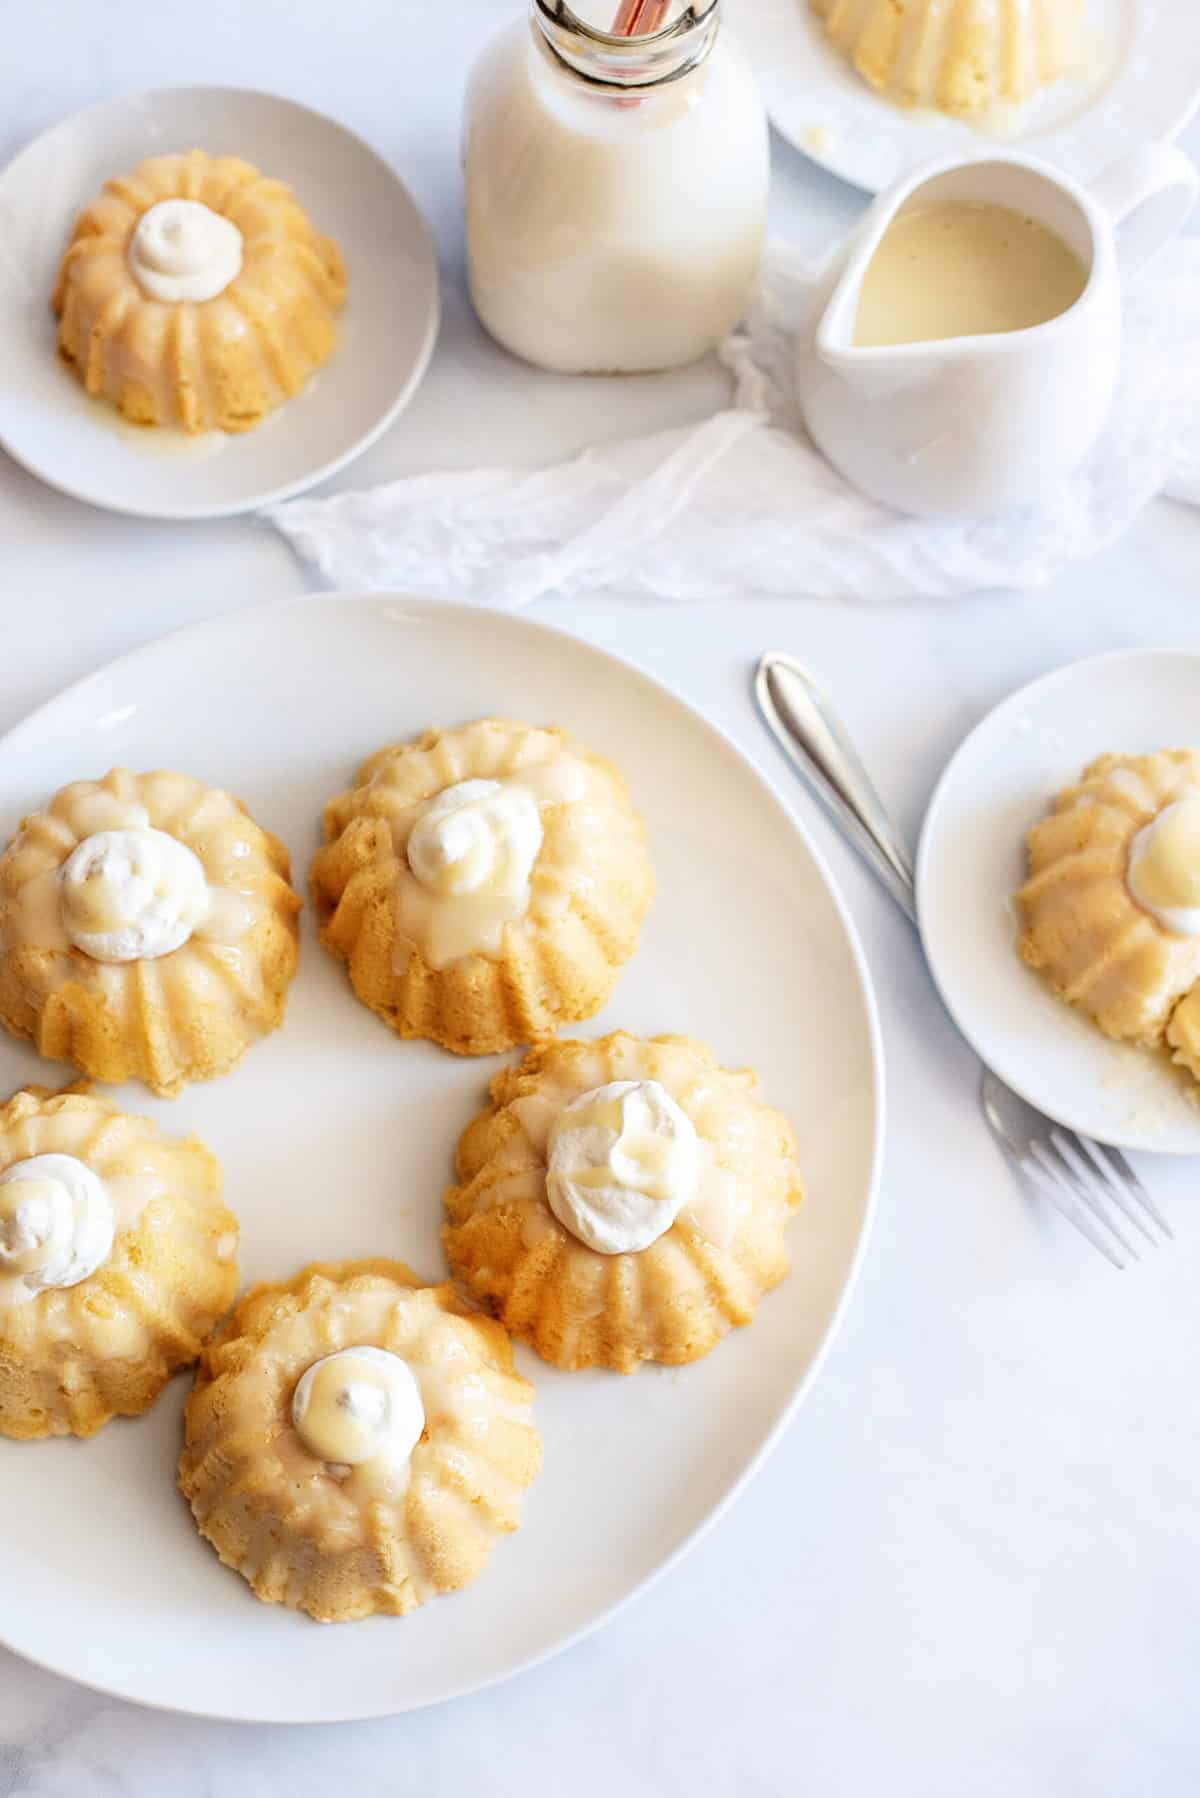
{"x": 616, "y": 188}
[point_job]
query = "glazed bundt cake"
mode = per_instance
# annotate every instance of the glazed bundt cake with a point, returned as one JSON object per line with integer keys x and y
{"x": 623, "y": 1201}
{"x": 966, "y": 57}
{"x": 356, "y": 1442}
{"x": 1111, "y": 908}
{"x": 148, "y": 930}
{"x": 195, "y": 292}
{"x": 483, "y": 885}
{"x": 117, "y": 1257}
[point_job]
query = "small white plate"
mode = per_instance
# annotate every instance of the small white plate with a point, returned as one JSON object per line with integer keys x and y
{"x": 385, "y": 337}
{"x": 1143, "y": 82}
{"x": 972, "y": 859}
{"x": 337, "y": 1141}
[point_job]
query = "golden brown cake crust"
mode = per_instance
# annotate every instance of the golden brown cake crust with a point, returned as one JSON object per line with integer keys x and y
{"x": 71, "y": 1358}
{"x": 590, "y": 890}
{"x": 1083, "y": 930}
{"x": 189, "y": 1015}
{"x": 218, "y": 364}
{"x": 671, "y": 1302}
{"x": 302, "y": 1533}
{"x": 967, "y": 59}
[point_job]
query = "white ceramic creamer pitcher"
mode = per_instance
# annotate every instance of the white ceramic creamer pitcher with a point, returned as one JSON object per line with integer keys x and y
{"x": 965, "y": 426}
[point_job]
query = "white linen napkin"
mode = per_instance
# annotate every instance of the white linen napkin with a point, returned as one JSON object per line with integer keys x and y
{"x": 744, "y": 505}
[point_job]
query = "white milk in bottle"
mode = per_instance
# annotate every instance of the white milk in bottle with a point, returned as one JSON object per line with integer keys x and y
{"x": 616, "y": 189}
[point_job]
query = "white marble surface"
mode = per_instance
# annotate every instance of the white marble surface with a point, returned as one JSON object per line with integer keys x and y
{"x": 972, "y": 1567}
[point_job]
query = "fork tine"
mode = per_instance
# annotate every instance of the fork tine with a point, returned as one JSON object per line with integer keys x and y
{"x": 1069, "y": 1144}
{"x": 1133, "y": 1184}
{"x": 1059, "y": 1166}
{"x": 1051, "y": 1187}
{"x": 1085, "y": 1183}
{"x": 1091, "y": 1184}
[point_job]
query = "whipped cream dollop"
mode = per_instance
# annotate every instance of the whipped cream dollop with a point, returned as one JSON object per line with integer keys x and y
{"x": 182, "y": 250}
{"x": 1164, "y": 866}
{"x": 359, "y": 1405}
{"x": 132, "y": 894}
{"x": 622, "y": 1162}
{"x": 56, "y": 1221}
{"x": 478, "y": 836}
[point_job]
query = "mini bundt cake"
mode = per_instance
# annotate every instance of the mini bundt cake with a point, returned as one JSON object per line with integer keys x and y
{"x": 1111, "y": 909}
{"x": 623, "y": 1201}
{"x": 117, "y": 1257}
{"x": 356, "y": 1442}
{"x": 965, "y": 57}
{"x": 484, "y": 885}
{"x": 195, "y": 292}
{"x": 148, "y": 929}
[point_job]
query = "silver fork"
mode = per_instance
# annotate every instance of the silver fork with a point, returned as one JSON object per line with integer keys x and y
{"x": 1092, "y": 1185}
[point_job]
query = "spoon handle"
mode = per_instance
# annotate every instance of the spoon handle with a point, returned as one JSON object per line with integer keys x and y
{"x": 815, "y": 741}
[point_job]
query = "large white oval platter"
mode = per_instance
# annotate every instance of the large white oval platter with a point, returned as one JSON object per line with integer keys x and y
{"x": 337, "y": 1140}
{"x": 385, "y": 334}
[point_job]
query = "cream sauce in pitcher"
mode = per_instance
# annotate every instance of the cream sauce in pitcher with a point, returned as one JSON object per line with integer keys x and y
{"x": 962, "y": 350}
{"x": 964, "y": 270}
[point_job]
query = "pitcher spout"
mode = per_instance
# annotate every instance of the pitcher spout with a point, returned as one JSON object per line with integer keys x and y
{"x": 872, "y": 370}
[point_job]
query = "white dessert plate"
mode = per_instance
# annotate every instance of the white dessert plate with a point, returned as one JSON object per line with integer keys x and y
{"x": 1142, "y": 81}
{"x": 337, "y": 1141}
{"x": 386, "y": 331}
{"x": 972, "y": 859}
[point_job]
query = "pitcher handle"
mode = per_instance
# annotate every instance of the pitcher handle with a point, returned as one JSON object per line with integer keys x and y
{"x": 1147, "y": 196}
